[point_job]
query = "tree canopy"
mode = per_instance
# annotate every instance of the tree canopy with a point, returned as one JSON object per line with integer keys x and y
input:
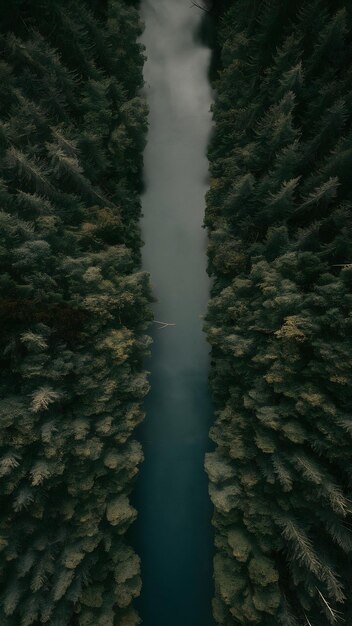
{"x": 74, "y": 308}
{"x": 279, "y": 319}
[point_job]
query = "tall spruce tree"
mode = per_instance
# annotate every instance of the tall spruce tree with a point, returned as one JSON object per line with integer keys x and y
{"x": 279, "y": 320}
{"x": 74, "y": 307}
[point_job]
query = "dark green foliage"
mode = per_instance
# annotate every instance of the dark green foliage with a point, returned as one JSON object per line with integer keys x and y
{"x": 279, "y": 321}
{"x": 74, "y": 307}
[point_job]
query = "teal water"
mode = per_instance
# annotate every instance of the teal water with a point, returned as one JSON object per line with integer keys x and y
{"x": 173, "y": 533}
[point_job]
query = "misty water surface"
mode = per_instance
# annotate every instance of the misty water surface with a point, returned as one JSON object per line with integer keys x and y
{"x": 173, "y": 532}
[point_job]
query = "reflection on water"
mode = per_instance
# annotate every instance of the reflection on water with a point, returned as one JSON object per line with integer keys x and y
{"x": 173, "y": 533}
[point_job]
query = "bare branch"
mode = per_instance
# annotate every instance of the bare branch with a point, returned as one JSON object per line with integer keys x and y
{"x": 332, "y": 613}
{"x": 163, "y": 324}
{"x": 199, "y": 6}
{"x": 308, "y": 622}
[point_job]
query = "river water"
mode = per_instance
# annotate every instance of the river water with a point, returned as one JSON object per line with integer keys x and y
{"x": 173, "y": 533}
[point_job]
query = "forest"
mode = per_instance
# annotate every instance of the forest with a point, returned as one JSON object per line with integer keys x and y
{"x": 74, "y": 307}
{"x": 279, "y": 320}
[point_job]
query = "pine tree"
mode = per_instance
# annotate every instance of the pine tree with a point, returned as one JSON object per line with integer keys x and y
{"x": 74, "y": 308}
{"x": 278, "y": 216}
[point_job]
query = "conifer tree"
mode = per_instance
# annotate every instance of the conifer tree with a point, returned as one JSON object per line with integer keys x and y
{"x": 278, "y": 216}
{"x": 74, "y": 308}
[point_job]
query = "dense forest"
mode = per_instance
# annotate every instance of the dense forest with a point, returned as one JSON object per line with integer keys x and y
{"x": 74, "y": 306}
{"x": 75, "y": 310}
{"x": 279, "y": 320}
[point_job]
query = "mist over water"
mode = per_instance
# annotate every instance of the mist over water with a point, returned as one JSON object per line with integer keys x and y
{"x": 173, "y": 533}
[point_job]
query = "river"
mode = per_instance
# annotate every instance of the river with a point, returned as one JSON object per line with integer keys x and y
{"x": 173, "y": 533}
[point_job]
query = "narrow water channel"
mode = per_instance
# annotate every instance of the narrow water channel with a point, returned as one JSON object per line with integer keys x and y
{"x": 173, "y": 534}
